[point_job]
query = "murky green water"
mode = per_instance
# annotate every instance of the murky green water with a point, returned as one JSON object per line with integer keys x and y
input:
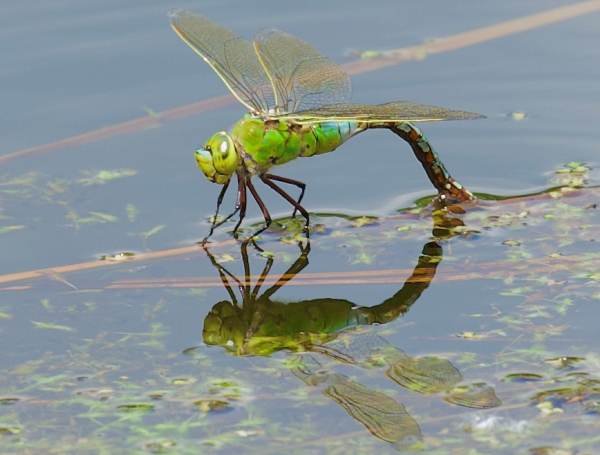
{"x": 397, "y": 328}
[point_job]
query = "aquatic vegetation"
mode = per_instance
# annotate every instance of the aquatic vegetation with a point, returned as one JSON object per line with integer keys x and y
{"x": 104, "y": 176}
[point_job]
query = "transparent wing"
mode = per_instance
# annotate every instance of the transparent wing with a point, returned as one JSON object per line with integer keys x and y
{"x": 383, "y": 416}
{"x": 397, "y": 111}
{"x": 230, "y": 56}
{"x": 302, "y": 78}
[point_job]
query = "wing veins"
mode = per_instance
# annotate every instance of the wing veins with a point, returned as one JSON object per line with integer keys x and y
{"x": 229, "y": 55}
{"x": 400, "y": 111}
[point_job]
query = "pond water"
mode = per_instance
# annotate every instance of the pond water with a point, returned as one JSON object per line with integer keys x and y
{"x": 397, "y": 328}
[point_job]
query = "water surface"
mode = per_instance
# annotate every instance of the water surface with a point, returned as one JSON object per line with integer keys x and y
{"x": 410, "y": 330}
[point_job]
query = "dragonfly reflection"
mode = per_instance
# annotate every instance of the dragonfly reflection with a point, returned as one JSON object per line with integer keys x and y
{"x": 330, "y": 328}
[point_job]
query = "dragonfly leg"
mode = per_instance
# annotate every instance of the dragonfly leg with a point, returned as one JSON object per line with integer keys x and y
{"x": 263, "y": 275}
{"x": 449, "y": 189}
{"x": 297, "y": 183}
{"x": 288, "y": 198}
{"x": 223, "y": 272}
{"x": 214, "y": 219}
{"x": 242, "y": 203}
{"x": 247, "y": 282}
{"x": 299, "y": 264}
{"x": 262, "y": 206}
{"x": 228, "y": 217}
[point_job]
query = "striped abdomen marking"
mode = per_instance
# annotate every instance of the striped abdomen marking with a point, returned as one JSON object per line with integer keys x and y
{"x": 429, "y": 159}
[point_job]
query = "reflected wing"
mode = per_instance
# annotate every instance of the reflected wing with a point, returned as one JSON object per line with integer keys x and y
{"x": 478, "y": 395}
{"x": 425, "y": 375}
{"x": 232, "y": 58}
{"x": 302, "y": 78}
{"x": 397, "y": 111}
{"x": 383, "y": 416}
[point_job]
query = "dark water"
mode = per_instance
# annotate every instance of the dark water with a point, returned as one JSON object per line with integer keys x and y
{"x": 395, "y": 333}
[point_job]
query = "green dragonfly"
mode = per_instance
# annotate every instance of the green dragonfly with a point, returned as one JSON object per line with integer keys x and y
{"x": 298, "y": 107}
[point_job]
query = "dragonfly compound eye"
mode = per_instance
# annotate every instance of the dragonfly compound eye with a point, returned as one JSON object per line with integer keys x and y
{"x": 224, "y": 156}
{"x": 218, "y": 159}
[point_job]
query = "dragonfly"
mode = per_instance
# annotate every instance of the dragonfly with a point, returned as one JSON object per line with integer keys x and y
{"x": 298, "y": 106}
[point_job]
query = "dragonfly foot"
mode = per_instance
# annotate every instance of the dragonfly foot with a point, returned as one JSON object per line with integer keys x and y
{"x": 452, "y": 197}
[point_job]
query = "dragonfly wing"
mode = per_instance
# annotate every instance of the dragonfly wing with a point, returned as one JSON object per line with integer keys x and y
{"x": 230, "y": 56}
{"x": 397, "y": 111}
{"x": 301, "y": 77}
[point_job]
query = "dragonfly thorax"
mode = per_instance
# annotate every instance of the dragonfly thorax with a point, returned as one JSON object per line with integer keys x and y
{"x": 266, "y": 142}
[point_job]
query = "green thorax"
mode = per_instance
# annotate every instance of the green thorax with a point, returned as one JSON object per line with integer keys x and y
{"x": 294, "y": 326}
{"x": 266, "y": 143}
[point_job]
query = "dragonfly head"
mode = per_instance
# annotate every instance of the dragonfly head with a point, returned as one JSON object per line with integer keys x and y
{"x": 224, "y": 327}
{"x": 218, "y": 160}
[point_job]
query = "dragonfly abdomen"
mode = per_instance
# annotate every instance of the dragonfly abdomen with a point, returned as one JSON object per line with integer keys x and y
{"x": 329, "y": 135}
{"x": 424, "y": 152}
